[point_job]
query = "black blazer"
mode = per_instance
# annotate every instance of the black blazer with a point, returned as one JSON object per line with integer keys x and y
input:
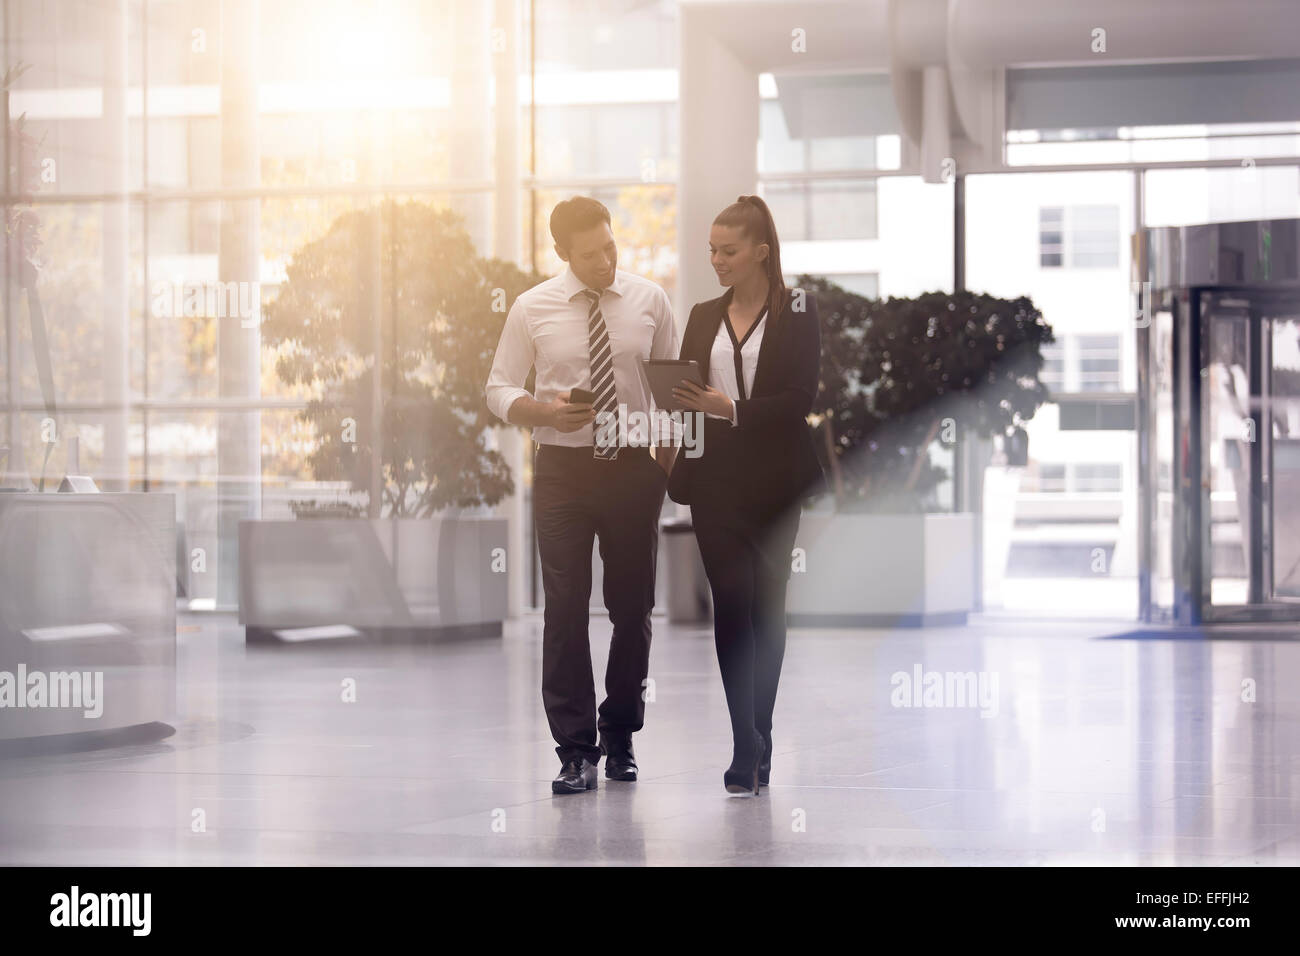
{"x": 775, "y": 462}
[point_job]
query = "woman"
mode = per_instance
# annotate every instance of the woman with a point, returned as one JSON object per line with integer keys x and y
{"x": 759, "y": 349}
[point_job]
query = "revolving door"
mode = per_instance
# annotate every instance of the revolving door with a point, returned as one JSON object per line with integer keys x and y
{"x": 1218, "y": 351}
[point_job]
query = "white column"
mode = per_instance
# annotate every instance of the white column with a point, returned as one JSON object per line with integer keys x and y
{"x": 470, "y": 113}
{"x": 718, "y": 107}
{"x": 239, "y": 459}
{"x": 513, "y": 443}
{"x": 505, "y": 72}
{"x": 936, "y": 138}
{"x": 115, "y": 469}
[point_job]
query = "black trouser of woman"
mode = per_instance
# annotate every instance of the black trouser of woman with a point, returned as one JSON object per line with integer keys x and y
{"x": 747, "y": 555}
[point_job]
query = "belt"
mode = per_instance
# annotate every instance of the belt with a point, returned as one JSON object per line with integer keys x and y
{"x": 587, "y": 451}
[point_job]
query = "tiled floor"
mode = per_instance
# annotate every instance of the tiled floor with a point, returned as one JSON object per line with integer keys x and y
{"x": 1089, "y": 751}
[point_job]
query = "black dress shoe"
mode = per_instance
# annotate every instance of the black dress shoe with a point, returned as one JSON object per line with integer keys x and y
{"x": 765, "y": 765}
{"x": 742, "y": 775}
{"x": 620, "y": 764}
{"x": 576, "y": 776}
{"x": 620, "y": 767}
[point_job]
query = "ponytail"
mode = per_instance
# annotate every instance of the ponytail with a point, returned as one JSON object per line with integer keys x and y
{"x": 754, "y": 218}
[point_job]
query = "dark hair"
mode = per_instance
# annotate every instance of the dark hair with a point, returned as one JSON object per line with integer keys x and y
{"x": 575, "y": 215}
{"x": 753, "y": 217}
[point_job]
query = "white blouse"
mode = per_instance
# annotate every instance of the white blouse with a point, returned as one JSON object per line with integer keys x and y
{"x": 722, "y": 360}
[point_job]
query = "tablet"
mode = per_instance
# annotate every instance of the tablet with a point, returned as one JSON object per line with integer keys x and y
{"x": 665, "y": 374}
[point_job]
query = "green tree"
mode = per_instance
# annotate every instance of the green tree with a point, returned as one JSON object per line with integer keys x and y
{"x": 409, "y": 273}
{"x": 897, "y": 371}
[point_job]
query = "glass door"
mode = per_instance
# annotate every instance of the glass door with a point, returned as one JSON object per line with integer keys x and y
{"x": 1283, "y": 408}
{"x": 1230, "y": 402}
{"x": 1156, "y": 445}
{"x": 1250, "y": 456}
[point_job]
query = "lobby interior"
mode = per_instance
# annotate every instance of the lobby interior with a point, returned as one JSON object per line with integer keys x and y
{"x": 320, "y": 633}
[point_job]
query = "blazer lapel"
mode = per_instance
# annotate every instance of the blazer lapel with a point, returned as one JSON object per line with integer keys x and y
{"x": 768, "y": 348}
{"x": 708, "y": 332}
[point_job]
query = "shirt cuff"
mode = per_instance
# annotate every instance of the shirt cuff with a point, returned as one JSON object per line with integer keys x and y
{"x": 735, "y": 411}
{"x": 500, "y": 400}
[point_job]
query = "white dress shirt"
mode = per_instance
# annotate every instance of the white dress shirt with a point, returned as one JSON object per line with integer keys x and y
{"x": 722, "y": 361}
{"x": 547, "y": 327}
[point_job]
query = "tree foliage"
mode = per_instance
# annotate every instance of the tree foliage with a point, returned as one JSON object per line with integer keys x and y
{"x": 440, "y": 310}
{"x": 899, "y": 374}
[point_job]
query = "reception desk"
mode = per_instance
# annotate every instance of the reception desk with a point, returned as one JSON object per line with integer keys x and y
{"x": 87, "y": 612}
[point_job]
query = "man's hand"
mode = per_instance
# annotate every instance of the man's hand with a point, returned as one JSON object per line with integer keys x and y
{"x": 567, "y": 416}
{"x": 560, "y": 413}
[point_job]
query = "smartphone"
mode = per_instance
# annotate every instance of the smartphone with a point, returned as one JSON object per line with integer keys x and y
{"x": 580, "y": 396}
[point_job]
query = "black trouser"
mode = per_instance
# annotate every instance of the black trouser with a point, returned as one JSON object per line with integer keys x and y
{"x": 577, "y": 499}
{"x": 747, "y": 556}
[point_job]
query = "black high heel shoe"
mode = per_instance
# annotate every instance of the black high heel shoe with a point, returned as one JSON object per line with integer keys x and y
{"x": 765, "y": 765}
{"x": 744, "y": 779}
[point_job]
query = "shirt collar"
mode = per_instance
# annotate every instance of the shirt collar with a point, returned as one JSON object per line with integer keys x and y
{"x": 573, "y": 285}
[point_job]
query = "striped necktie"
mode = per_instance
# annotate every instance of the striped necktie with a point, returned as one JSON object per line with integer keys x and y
{"x": 602, "y": 372}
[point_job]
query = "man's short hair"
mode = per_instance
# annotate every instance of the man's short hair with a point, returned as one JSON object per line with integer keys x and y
{"x": 576, "y": 215}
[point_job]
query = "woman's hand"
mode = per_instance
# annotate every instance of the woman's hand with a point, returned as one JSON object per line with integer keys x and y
{"x": 702, "y": 398}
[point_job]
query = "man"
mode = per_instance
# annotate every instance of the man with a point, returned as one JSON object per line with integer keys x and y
{"x": 589, "y": 328}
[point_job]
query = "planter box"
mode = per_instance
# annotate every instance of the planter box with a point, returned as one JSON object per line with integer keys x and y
{"x": 869, "y": 570}
{"x": 342, "y": 577}
{"x": 88, "y": 588}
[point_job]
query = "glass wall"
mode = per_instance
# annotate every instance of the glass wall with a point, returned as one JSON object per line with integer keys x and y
{"x": 1060, "y": 531}
{"x": 1139, "y": 114}
{"x": 605, "y": 76}
{"x": 822, "y": 142}
{"x": 1181, "y": 197}
{"x": 222, "y": 219}
{"x": 199, "y": 264}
